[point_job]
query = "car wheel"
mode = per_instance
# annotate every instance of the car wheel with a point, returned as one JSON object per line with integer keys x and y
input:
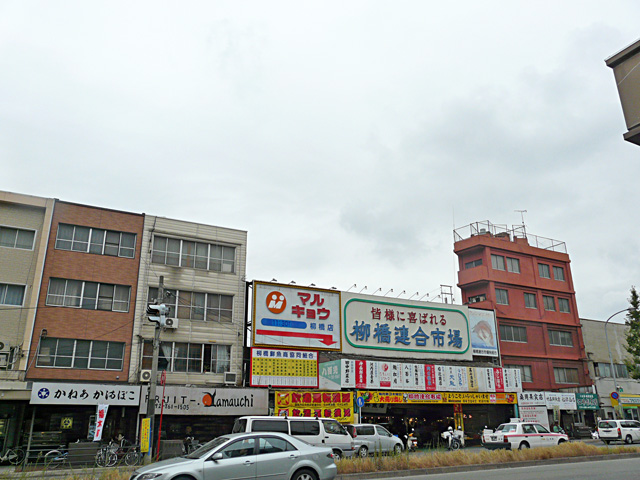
{"x": 606, "y": 442}
{"x": 628, "y": 439}
{"x": 305, "y": 475}
{"x": 397, "y": 449}
{"x": 562, "y": 440}
{"x": 363, "y": 452}
{"x": 523, "y": 446}
{"x": 337, "y": 455}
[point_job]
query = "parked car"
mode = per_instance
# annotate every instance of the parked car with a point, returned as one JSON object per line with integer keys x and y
{"x": 248, "y": 456}
{"x": 519, "y": 435}
{"x": 627, "y": 431}
{"x": 323, "y": 432}
{"x": 370, "y": 438}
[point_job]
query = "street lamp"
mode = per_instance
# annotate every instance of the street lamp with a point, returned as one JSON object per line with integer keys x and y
{"x": 613, "y": 370}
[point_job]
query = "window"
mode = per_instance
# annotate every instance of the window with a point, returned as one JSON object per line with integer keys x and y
{"x": 268, "y": 445}
{"x": 189, "y": 357}
{"x": 11, "y": 294}
{"x": 512, "y": 333}
{"x": 497, "y": 262}
{"x": 604, "y": 370}
{"x": 565, "y": 375}
{"x": 95, "y": 240}
{"x": 80, "y": 354}
{"x": 558, "y": 274}
{"x": 541, "y": 428}
{"x": 17, "y": 238}
{"x": 365, "y": 430}
{"x": 513, "y": 265}
{"x": 543, "y": 270}
{"x": 304, "y": 427}
{"x": 184, "y": 253}
{"x": 530, "y": 300}
{"x": 563, "y": 305}
{"x": 88, "y": 295}
{"x": 210, "y": 307}
{"x": 525, "y": 372}
{"x": 560, "y": 338}
{"x": 502, "y": 296}
{"x": 477, "y": 298}
{"x": 549, "y": 303}
{"x": 270, "y": 426}
{"x": 474, "y": 263}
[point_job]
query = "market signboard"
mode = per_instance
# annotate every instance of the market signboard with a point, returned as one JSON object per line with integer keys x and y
{"x": 484, "y": 340}
{"x": 629, "y": 401}
{"x": 587, "y": 401}
{"x": 284, "y": 368}
{"x": 437, "y": 397}
{"x": 46, "y": 393}
{"x": 531, "y": 399}
{"x": 536, "y": 414}
{"x": 296, "y": 317}
{"x": 562, "y": 401}
{"x": 375, "y": 375}
{"x": 338, "y": 405}
{"x": 378, "y": 325}
{"x": 209, "y": 401}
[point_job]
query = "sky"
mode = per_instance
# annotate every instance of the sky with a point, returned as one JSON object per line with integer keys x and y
{"x": 348, "y": 139}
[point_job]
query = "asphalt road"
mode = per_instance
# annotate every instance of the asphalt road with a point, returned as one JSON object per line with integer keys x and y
{"x": 619, "y": 469}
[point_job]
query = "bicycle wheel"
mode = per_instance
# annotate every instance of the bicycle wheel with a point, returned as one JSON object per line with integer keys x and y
{"x": 53, "y": 459}
{"x": 132, "y": 458}
{"x": 101, "y": 457}
{"x": 15, "y": 456}
{"x": 112, "y": 459}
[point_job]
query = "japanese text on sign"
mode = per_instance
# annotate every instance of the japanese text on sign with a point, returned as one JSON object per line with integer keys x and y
{"x": 284, "y": 368}
{"x": 338, "y": 405}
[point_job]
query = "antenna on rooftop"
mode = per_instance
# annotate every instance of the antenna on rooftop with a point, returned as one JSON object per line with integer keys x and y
{"x": 524, "y": 228}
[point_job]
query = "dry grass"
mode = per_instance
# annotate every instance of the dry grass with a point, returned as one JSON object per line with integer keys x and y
{"x": 441, "y": 458}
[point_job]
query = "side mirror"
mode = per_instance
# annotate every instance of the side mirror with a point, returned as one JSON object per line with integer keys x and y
{"x": 216, "y": 456}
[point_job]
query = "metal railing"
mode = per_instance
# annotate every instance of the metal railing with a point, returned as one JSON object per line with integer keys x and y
{"x": 511, "y": 234}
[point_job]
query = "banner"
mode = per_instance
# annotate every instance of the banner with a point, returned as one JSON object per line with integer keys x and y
{"x": 484, "y": 340}
{"x": 537, "y": 414}
{"x": 563, "y": 401}
{"x": 145, "y": 433}
{"x": 283, "y": 368}
{"x": 338, "y": 405}
{"x": 437, "y": 397}
{"x": 101, "y": 415}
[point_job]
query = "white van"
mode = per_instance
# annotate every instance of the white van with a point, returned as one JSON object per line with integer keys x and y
{"x": 323, "y": 432}
{"x": 627, "y": 431}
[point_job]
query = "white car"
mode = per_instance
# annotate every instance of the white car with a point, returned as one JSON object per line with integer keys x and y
{"x": 519, "y": 435}
{"x": 627, "y": 431}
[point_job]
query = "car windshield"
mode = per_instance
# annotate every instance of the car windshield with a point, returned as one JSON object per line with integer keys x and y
{"x": 606, "y": 425}
{"x": 207, "y": 447}
{"x": 506, "y": 427}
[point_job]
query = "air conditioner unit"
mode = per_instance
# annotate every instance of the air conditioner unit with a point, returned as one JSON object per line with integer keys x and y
{"x": 171, "y": 323}
{"x": 4, "y": 346}
{"x": 145, "y": 376}
{"x": 4, "y": 361}
{"x": 230, "y": 378}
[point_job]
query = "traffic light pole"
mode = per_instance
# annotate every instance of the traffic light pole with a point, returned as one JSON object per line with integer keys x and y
{"x": 151, "y": 402}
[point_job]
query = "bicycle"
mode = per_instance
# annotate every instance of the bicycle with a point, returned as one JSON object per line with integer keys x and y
{"x": 113, "y": 453}
{"x": 14, "y": 456}
{"x": 56, "y": 458}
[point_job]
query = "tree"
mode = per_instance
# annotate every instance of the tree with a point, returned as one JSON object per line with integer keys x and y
{"x": 633, "y": 335}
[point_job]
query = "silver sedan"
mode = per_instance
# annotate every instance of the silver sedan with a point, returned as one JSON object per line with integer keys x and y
{"x": 247, "y": 456}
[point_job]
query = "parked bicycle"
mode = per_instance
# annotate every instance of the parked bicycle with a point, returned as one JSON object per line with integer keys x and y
{"x": 14, "y": 456}
{"x": 56, "y": 458}
{"x": 114, "y": 453}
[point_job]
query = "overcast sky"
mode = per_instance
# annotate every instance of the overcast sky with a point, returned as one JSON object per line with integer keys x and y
{"x": 348, "y": 138}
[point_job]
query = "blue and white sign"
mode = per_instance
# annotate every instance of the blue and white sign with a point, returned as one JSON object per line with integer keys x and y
{"x": 84, "y": 394}
{"x": 360, "y": 402}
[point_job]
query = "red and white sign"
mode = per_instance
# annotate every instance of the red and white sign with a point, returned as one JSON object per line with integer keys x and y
{"x": 101, "y": 416}
{"x": 299, "y": 317}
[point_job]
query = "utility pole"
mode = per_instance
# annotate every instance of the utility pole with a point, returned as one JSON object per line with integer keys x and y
{"x": 160, "y": 322}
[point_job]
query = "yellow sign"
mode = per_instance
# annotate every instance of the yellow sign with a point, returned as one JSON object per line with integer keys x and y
{"x": 66, "y": 423}
{"x": 338, "y": 405}
{"x": 145, "y": 431}
{"x": 438, "y": 397}
{"x": 283, "y": 368}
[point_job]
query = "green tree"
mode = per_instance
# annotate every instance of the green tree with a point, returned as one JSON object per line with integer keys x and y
{"x": 633, "y": 335}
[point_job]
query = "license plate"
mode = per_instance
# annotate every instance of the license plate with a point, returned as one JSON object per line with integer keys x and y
{"x": 494, "y": 438}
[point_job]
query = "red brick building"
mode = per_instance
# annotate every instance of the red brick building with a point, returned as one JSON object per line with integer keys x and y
{"x": 85, "y": 316}
{"x": 527, "y": 280}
